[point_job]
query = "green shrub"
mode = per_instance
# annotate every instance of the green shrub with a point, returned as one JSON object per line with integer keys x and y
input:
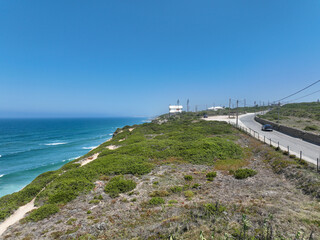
{"x": 159, "y": 193}
{"x": 94, "y": 201}
{"x": 244, "y": 173}
{"x": 196, "y": 185}
{"x": 214, "y": 209}
{"x": 189, "y": 194}
{"x": 42, "y": 212}
{"x": 119, "y": 185}
{"x": 156, "y": 201}
{"x": 98, "y": 197}
{"x": 71, "y": 221}
{"x": 211, "y": 175}
{"x": 311, "y": 128}
{"x": 188, "y": 177}
{"x": 176, "y": 189}
{"x": 172, "y": 201}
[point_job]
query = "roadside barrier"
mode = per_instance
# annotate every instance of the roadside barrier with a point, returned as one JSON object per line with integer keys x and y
{"x": 277, "y": 144}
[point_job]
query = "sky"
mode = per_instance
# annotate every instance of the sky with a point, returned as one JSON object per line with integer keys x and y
{"x": 134, "y": 58}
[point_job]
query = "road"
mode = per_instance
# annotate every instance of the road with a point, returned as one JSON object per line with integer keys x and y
{"x": 310, "y": 152}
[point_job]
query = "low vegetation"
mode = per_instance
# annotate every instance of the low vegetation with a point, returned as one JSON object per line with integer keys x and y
{"x": 42, "y": 212}
{"x": 171, "y": 178}
{"x": 156, "y": 201}
{"x": 244, "y": 173}
{"x": 211, "y": 175}
{"x": 303, "y": 116}
{"x": 118, "y": 185}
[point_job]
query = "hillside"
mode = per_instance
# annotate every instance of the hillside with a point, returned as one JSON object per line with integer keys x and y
{"x": 303, "y": 116}
{"x": 178, "y": 178}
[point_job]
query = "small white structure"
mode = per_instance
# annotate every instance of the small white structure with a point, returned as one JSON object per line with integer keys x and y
{"x": 175, "y": 108}
{"x": 215, "y": 108}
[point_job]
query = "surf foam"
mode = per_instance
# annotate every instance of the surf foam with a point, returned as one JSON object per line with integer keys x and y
{"x": 54, "y": 144}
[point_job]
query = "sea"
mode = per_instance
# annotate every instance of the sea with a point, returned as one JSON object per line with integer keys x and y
{"x": 29, "y": 147}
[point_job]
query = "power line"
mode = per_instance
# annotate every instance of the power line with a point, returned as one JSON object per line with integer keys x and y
{"x": 298, "y": 91}
{"x": 304, "y": 96}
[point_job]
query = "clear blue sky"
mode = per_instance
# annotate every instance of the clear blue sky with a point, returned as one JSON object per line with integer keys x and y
{"x": 133, "y": 58}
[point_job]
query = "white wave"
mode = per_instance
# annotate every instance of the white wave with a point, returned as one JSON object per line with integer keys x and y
{"x": 1, "y": 175}
{"x": 70, "y": 159}
{"x": 90, "y": 147}
{"x": 110, "y": 134}
{"x": 0, "y": 155}
{"x": 54, "y": 144}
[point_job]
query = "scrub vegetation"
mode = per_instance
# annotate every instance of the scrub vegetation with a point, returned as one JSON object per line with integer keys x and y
{"x": 177, "y": 177}
{"x": 150, "y": 143}
{"x": 303, "y": 116}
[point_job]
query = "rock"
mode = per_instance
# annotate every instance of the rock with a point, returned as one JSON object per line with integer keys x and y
{"x": 101, "y": 226}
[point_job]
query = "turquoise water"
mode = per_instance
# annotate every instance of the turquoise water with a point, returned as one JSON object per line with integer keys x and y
{"x": 29, "y": 147}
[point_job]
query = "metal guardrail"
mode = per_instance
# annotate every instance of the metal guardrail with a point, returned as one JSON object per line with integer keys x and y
{"x": 269, "y": 141}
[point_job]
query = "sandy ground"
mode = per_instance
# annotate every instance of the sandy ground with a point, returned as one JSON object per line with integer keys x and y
{"x": 131, "y": 129}
{"x": 225, "y": 118}
{"x": 89, "y": 159}
{"x": 17, "y": 216}
{"x": 112, "y": 147}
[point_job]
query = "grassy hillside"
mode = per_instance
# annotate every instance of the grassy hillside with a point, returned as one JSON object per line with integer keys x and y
{"x": 178, "y": 178}
{"x": 304, "y": 116}
{"x": 201, "y": 142}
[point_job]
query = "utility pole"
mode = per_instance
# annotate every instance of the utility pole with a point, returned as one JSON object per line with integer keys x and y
{"x": 229, "y": 107}
{"x": 244, "y": 103}
{"x": 278, "y": 111}
{"x": 237, "y": 113}
{"x": 188, "y": 105}
{"x": 178, "y": 102}
{"x": 196, "y": 108}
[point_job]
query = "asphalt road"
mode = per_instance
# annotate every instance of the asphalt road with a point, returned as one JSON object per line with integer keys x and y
{"x": 310, "y": 152}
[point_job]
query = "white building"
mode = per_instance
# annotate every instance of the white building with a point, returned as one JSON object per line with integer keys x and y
{"x": 215, "y": 108}
{"x": 175, "y": 108}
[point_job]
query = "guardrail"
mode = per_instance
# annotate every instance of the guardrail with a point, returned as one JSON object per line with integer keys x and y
{"x": 269, "y": 141}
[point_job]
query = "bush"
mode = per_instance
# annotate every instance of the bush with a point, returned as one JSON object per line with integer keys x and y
{"x": 119, "y": 185}
{"x": 160, "y": 193}
{"x": 196, "y": 185}
{"x": 42, "y": 212}
{"x": 176, "y": 189}
{"x": 188, "y": 177}
{"x": 211, "y": 175}
{"x": 189, "y": 194}
{"x": 156, "y": 201}
{"x": 94, "y": 201}
{"x": 311, "y": 128}
{"x": 214, "y": 209}
{"x": 244, "y": 173}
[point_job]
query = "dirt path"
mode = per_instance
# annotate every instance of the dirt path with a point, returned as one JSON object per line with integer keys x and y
{"x": 89, "y": 159}
{"x": 17, "y": 216}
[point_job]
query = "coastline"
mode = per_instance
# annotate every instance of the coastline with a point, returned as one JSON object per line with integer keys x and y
{"x": 184, "y": 166}
{"x": 32, "y": 148}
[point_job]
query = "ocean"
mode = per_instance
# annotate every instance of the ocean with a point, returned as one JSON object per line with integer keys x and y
{"x": 29, "y": 147}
